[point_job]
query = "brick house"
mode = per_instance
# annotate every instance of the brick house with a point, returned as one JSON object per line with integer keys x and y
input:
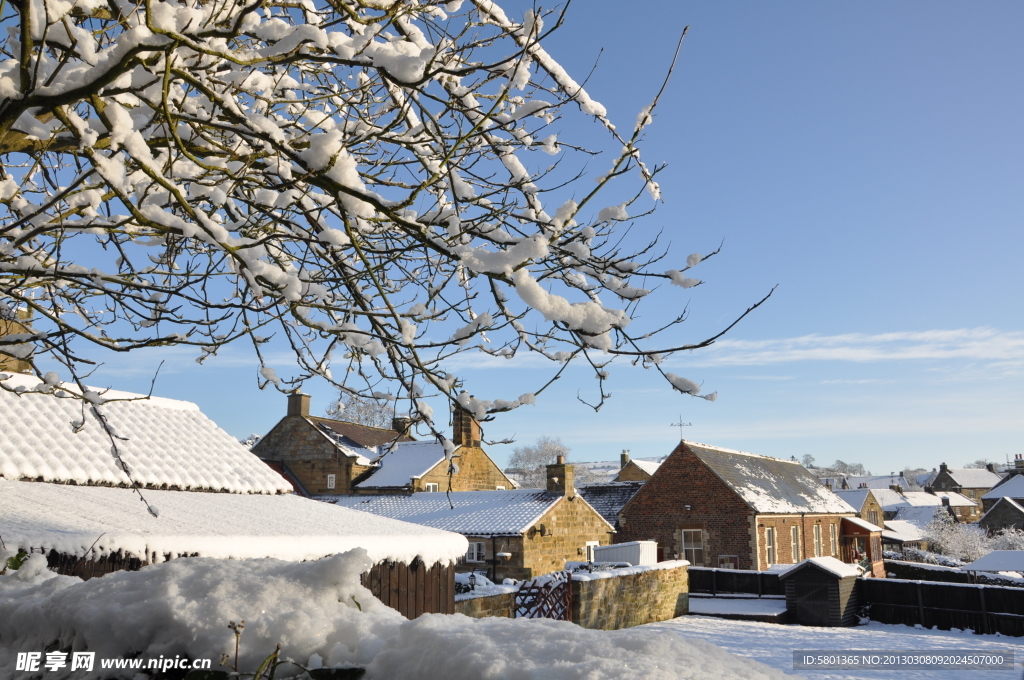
{"x": 517, "y": 533}
{"x": 721, "y": 508}
{"x": 323, "y": 456}
{"x": 64, "y": 495}
{"x": 971, "y": 482}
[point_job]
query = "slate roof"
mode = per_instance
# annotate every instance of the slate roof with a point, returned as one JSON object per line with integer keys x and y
{"x": 973, "y": 478}
{"x": 769, "y": 485}
{"x": 404, "y": 462}
{"x": 920, "y": 516}
{"x": 476, "y": 513}
{"x": 854, "y": 497}
{"x": 878, "y": 481}
{"x": 608, "y": 499}
{"x": 924, "y": 499}
{"x": 362, "y": 435}
{"x": 1011, "y": 487}
{"x": 72, "y": 519}
{"x": 169, "y": 443}
{"x": 902, "y": 531}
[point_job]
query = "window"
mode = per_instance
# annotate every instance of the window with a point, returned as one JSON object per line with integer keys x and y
{"x": 832, "y": 539}
{"x": 795, "y": 531}
{"x": 876, "y": 548}
{"x": 817, "y": 540}
{"x": 476, "y": 551}
{"x": 589, "y": 550}
{"x": 769, "y": 542}
{"x": 728, "y": 561}
{"x": 693, "y": 546}
{"x": 430, "y": 486}
{"x": 499, "y": 488}
{"x": 873, "y": 517}
{"x": 330, "y": 481}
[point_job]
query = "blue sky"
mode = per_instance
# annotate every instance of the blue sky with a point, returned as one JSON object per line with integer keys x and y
{"x": 868, "y": 158}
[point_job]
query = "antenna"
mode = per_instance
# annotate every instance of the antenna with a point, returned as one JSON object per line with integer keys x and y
{"x": 680, "y": 425}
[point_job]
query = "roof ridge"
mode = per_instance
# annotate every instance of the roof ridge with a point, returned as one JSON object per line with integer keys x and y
{"x": 742, "y": 453}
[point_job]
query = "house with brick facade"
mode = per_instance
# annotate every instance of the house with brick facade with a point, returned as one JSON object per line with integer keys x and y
{"x": 718, "y": 507}
{"x": 64, "y": 495}
{"x": 322, "y": 456}
{"x": 516, "y": 533}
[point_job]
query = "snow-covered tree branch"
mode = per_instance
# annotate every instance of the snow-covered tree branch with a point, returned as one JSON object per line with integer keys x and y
{"x": 379, "y": 183}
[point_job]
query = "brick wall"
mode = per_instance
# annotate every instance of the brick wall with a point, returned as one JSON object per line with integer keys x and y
{"x": 783, "y": 525}
{"x": 657, "y": 512}
{"x": 477, "y": 472}
{"x": 501, "y": 605}
{"x": 631, "y": 600}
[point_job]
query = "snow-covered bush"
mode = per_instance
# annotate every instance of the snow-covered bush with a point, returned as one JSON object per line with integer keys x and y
{"x": 1008, "y": 539}
{"x": 377, "y": 183}
{"x": 320, "y": 615}
{"x": 963, "y": 542}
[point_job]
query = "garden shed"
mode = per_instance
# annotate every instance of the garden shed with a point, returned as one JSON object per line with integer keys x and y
{"x": 821, "y": 591}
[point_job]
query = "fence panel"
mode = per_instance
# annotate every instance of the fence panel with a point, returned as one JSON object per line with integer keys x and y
{"x": 734, "y": 581}
{"x": 983, "y": 609}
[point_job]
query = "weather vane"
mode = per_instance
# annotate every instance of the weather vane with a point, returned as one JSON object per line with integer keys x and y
{"x": 680, "y": 425}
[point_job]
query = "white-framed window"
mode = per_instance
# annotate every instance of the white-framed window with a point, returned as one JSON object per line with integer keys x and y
{"x": 873, "y": 517}
{"x": 693, "y": 546}
{"x": 499, "y": 488}
{"x": 817, "y": 540}
{"x": 431, "y": 486}
{"x": 795, "y": 537}
{"x": 728, "y": 561}
{"x": 476, "y": 552}
{"x": 589, "y": 550}
{"x": 769, "y": 543}
{"x": 834, "y": 544}
{"x": 330, "y": 481}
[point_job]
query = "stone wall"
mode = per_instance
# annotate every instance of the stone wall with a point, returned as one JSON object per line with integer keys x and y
{"x": 1002, "y": 516}
{"x": 566, "y": 529}
{"x": 477, "y": 472}
{"x": 632, "y": 473}
{"x": 632, "y": 599}
{"x": 502, "y": 605}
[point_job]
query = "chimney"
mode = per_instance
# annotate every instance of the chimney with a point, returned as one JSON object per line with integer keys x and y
{"x": 991, "y": 467}
{"x": 624, "y": 458}
{"x": 945, "y": 501}
{"x": 401, "y": 425}
{"x": 298, "y": 404}
{"x": 465, "y": 429}
{"x": 828, "y": 484}
{"x": 942, "y": 467}
{"x": 929, "y": 489}
{"x": 897, "y": 488}
{"x": 1018, "y": 463}
{"x": 561, "y": 478}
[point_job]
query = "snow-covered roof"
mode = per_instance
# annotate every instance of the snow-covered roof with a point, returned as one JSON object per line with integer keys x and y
{"x": 70, "y": 519}
{"x": 648, "y": 466}
{"x": 168, "y": 443}
{"x": 877, "y": 481}
{"x": 973, "y": 478}
{"x": 998, "y": 560}
{"x": 404, "y": 462}
{"x": 769, "y": 485}
{"x": 926, "y": 478}
{"x": 854, "y": 497}
{"x": 608, "y": 499}
{"x": 902, "y": 531}
{"x": 889, "y": 499}
{"x": 1011, "y": 487}
{"x": 363, "y": 455}
{"x": 829, "y": 564}
{"x": 925, "y": 499}
{"x": 956, "y": 500}
{"x": 476, "y": 513}
{"x": 363, "y": 435}
{"x": 919, "y": 515}
{"x": 863, "y": 524}
{"x": 1005, "y": 499}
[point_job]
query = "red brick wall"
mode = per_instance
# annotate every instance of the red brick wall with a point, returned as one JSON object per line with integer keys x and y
{"x": 784, "y": 524}
{"x": 657, "y": 512}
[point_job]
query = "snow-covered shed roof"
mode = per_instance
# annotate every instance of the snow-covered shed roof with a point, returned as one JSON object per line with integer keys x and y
{"x": 877, "y": 481}
{"x": 70, "y": 519}
{"x": 998, "y": 560}
{"x": 863, "y": 524}
{"x": 853, "y": 497}
{"x": 829, "y": 564}
{"x": 918, "y": 515}
{"x": 404, "y": 462}
{"x": 890, "y": 500}
{"x": 902, "y": 531}
{"x": 609, "y": 498}
{"x": 973, "y": 478}
{"x": 476, "y": 513}
{"x": 769, "y": 485}
{"x": 168, "y": 443}
{"x": 1011, "y": 487}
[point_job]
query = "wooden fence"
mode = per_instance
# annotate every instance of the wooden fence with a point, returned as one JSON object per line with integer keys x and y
{"x": 730, "y": 581}
{"x": 413, "y": 589}
{"x": 983, "y": 609}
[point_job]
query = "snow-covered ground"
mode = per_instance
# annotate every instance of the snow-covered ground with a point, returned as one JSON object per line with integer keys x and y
{"x": 774, "y": 645}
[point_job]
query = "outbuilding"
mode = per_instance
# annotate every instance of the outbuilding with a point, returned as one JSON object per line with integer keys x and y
{"x": 821, "y": 591}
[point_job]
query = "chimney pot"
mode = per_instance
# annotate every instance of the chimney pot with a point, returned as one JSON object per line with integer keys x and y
{"x": 298, "y": 404}
{"x": 624, "y": 458}
{"x": 942, "y": 467}
{"x": 561, "y": 478}
{"x": 401, "y": 425}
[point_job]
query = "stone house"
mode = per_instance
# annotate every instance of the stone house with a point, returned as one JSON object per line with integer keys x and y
{"x": 609, "y": 498}
{"x": 890, "y": 481}
{"x": 717, "y": 507}
{"x": 864, "y": 502}
{"x": 64, "y": 495}
{"x": 962, "y": 508}
{"x": 635, "y": 470}
{"x": 971, "y": 482}
{"x": 1011, "y": 486}
{"x": 333, "y": 457}
{"x": 14, "y": 323}
{"x": 516, "y": 533}
{"x": 1006, "y": 513}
